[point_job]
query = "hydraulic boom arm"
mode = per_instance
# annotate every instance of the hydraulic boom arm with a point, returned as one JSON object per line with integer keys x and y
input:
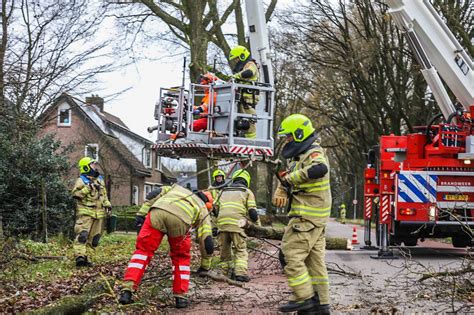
{"x": 437, "y": 51}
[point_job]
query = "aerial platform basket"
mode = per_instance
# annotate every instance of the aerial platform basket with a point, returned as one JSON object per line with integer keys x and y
{"x": 224, "y": 137}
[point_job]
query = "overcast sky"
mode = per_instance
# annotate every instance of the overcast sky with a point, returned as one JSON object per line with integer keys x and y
{"x": 136, "y": 106}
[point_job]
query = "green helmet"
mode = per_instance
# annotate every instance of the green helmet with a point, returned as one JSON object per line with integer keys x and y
{"x": 239, "y": 52}
{"x": 218, "y": 173}
{"x": 84, "y": 164}
{"x": 297, "y": 125}
{"x": 242, "y": 174}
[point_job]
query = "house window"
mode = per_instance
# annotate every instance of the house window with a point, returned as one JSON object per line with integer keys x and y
{"x": 147, "y": 157}
{"x": 64, "y": 115}
{"x": 146, "y": 190}
{"x": 158, "y": 166}
{"x": 92, "y": 151}
{"x": 135, "y": 195}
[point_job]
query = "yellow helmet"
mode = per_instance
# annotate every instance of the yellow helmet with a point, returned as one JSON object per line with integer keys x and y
{"x": 218, "y": 173}
{"x": 297, "y": 125}
{"x": 343, "y": 206}
{"x": 239, "y": 52}
{"x": 84, "y": 164}
{"x": 242, "y": 174}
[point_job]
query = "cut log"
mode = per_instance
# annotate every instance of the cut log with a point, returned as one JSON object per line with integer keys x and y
{"x": 79, "y": 304}
{"x": 276, "y": 233}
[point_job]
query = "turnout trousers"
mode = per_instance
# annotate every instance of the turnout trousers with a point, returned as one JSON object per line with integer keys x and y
{"x": 303, "y": 246}
{"x": 148, "y": 241}
{"x": 88, "y": 231}
{"x": 233, "y": 253}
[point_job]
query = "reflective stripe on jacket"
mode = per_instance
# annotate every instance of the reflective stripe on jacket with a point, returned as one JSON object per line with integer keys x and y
{"x": 234, "y": 204}
{"x": 311, "y": 198}
{"x": 188, "y": 207}
{"x": 90, "y": 201}
{"x": 145, "y": 208}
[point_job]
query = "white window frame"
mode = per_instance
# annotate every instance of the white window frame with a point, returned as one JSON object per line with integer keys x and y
{"x": 61, "y": 108}
{"x": 158, "y": 163}
{"x": 147, "y": 152}
{"x": 145, "y": 190}
{"x": 92, "y": 145}
{"x": 135, "y": 192}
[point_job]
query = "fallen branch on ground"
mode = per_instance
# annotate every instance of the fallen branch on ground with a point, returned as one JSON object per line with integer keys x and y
{"x": 464, "y": 271}
{"x": 221, "y": 278}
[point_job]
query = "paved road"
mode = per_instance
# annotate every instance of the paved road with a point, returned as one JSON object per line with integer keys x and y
{"x": 389, "y": 282}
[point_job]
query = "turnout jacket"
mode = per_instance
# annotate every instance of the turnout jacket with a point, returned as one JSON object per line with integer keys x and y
{"x": 188, "y": 207}
{"x": 234, "y": 204}
{"x": 145, "y": 208}
{"x": 91, "y": 196}
{"x": 310, "y": 197}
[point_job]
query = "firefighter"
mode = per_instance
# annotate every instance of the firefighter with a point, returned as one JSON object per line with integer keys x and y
{"x": 342, "y": 213}
{"x": 245, "y": 69}
{"x": 203, "y": 109}
{"x": 218, "y": 177}
{"x": 173, "y": 214}
{"x": 305, "y": 186}
{"x": 236, "y": 203}
{"x": 92, "y": 208}
{"x": 151, "y": 198}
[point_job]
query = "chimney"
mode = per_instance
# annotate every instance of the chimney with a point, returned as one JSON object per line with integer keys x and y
{"x": 96, "y": 100}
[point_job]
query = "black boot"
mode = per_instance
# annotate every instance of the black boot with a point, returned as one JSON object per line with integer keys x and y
{"x": 242, "y": 278}
{"x": 81, "y": 261}
{"x": 201, "y": 271}
{"x": 125, "y": 297}
{"x": 182, "y": 302}
{"x": 314, "y": 310}
{"x": 324, "y": 309}
{"x": 88, "y": 263}
{"x": 294, "y": 306}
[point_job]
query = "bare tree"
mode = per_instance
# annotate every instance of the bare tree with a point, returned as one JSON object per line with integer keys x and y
{"x": 360, "y": 80}
{"x": 192, "y": 24}
{"x": 47, "y": 48}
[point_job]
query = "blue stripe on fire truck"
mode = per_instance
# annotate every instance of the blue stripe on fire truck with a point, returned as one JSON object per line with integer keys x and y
{"x": 416, "y": 188}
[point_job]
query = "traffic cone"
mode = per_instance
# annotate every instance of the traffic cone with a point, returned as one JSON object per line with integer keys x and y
{"x": 354, "y": 237}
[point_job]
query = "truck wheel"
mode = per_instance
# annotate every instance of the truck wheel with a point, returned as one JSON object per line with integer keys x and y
{"x": 410, "y": 241}
{"x": 461, "y": 241}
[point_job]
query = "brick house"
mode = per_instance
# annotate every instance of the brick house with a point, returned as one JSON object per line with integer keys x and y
{"x": 130, "y": 168}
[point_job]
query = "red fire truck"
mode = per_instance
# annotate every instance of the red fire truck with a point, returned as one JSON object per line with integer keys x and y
{"x": 422, "y": 185}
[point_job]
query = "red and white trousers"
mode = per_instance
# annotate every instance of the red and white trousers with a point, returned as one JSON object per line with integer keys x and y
{"x": 148, "y": 241}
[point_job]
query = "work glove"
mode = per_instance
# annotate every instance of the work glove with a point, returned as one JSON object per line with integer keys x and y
{"x": 280, "y": 198}
{"x": 108, "y": 211}
{"x": 196, "y": 112}
{"x": 139, "y": 220}
{"x": 284, "y": 178}
{"x": 215, "y": 231}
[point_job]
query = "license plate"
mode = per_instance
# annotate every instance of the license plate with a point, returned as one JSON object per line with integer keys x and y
{"x": 456, "y": 197}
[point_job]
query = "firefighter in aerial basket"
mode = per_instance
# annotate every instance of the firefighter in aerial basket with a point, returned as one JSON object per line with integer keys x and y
{"x": 173, "y": 214}
{"x": 246, "y": 71}
{"x": 305, "y": 186}
{"x": 202, "y": 111}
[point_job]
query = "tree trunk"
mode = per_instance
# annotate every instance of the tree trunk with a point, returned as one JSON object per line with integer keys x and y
{"x": 276, "y": 233}
{"x": 44, "y": 217}
{"x": 80, "y": 304}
